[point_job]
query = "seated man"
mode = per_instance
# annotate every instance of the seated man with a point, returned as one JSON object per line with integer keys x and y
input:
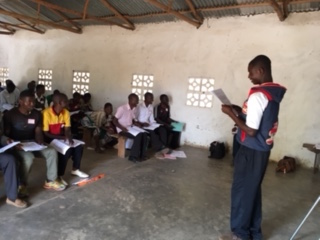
{"x": 50, "y": 97}
{"x": 86, "y": 103}
{"x": 8, "y": 167}
{"x": 56, "y": 125}
{"x": 40, "y": 99}
{"x": 9, "y": 97}
{"x": 124, "y": 119}
{"x": 31, "y": 86}
{"x": 23, "y": 124}
{"x": 163, "y": 117}
{"x": 145, "y": 116}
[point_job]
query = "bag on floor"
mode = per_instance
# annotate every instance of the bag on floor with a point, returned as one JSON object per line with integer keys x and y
{"x": 286, "y": 165}
{"x": 217, "y": 150}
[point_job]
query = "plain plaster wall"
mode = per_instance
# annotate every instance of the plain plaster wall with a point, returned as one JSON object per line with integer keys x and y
{"x": 172, "y": 52}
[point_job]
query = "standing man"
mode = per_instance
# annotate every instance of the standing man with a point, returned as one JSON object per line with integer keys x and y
{"x": 56, "y": 125}
{"x": 145, "y": 116}
{"x": 24, "y": 124}
{"x": 125, "y": 118}
{"x": 257, "y": 122}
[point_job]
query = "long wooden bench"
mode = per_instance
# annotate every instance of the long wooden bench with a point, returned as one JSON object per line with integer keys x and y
{"x": 121, "y": 145}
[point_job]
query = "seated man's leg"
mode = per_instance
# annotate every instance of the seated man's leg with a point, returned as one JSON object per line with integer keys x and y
{"x": 136, "y": 146}
{"x": 8, "y": 166}
{"x": 63, "y": 161}
{"x": 76, "y": 158}
{"x": 51, "y": 157}
{"x": 155, "y": 140}
{"x": 25, "y": 159}
{"x": 163, "y": 135}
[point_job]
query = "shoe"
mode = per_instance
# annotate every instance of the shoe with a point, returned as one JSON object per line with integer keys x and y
{"x": 132, "y": 159}
{"x": 62, "y": 181}
{"x": 79, "y": 173}
{"x": 55, "y": 185}
{"x": 23, "y": 192}
{"x": 17, "y": 203}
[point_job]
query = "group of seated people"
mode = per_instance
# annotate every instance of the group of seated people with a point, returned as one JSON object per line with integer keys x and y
{"x": 29, "y": 116}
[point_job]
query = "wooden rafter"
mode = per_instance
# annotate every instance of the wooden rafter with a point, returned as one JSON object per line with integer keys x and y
{"x": 277, "y": 9}
{"x": 17, "y": 26}
{"x": 65, "y": 18}
{"x": 6, "y": 33}
{"x": 4, "y": 26}
{"x": 78, "y": 14}
{"x": 285, "y": 4}
{"x": 37, "y": 21}
{"x": 173, "y": 12}
{"x": 31, "y": 26}
{"x": 194, "y": 12}
{"x": 85, "y": 9}
{"x": 117, "y": 13}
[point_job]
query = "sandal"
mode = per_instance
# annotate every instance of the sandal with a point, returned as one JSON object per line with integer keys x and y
{"x": 17, "y": 203}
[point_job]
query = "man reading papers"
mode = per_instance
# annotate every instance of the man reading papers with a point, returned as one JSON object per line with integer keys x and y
{"x": 56, "y": 125}
{"x": 23, "y": 124}
{"x": 124, "y": 119}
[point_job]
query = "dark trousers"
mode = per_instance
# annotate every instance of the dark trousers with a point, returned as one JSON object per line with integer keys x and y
{"x": 158, "y": 138}
{"x": 75, "y": 153}
{"x": 139, "y": 147}
{"x": 8, "y": 167}
{"x": 246, "y": 207}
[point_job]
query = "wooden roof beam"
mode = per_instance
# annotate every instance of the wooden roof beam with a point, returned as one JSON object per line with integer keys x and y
{"x": 6, "y": 33}
{"x": 118, "y": 14}
{"x": 274, "y": 4}
{"x": 4, "y": 26}
{"x": 194, "y": 12}
{"x": 85, "y": 7}
{"x": 285, "y": 4}
{"x": 65, "y": 18}
{"x": 37, "y": 21}
{"x": 78, "y": 14}
{"x": 31, "y": 26}
{"x": 18, "y": 26}
{"x": 173, "y": 12}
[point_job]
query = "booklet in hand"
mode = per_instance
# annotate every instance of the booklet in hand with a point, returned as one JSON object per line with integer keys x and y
{"x": 62, "y": 146}
{"x": 32, "y": 146}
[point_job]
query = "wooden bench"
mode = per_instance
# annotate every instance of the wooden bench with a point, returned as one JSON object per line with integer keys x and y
{"x": 121, "y": 145}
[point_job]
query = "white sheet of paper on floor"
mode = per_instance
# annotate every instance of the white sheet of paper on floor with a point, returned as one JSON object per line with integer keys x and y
{"x": 62, "y": 146}
{"x": 32, "y": 146}
{"x": 178, "y": 154}
{"x": 10, "y": 145}
{"x": 317, "y": 146}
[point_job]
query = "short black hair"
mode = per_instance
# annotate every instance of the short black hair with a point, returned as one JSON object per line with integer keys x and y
{"x": 26, "y": 93}
{"x": 148, "y": 94}
{"x": 107, "y": 105}
{"x": 87, "y": 95}
{"x": 162, "y": 96}
{"x": 133, "y": 95}
{"x": 56, "y": 91}
{"x": 39, "y": 86}
{"x": 76, "y": 94}
{"x": 261, "y": 61}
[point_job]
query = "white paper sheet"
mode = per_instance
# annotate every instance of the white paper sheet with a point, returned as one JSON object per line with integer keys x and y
{"x": 219, "y": 93}
{"x": 152, "y": 126}
{"x": 62, "y": 146}
{"x": 10, "y": 145}
{"x": 7, "y": 106}
{"x": 178, "y": 154}
{"x": 134, "y": 130}
{"x": 32, "y": 146}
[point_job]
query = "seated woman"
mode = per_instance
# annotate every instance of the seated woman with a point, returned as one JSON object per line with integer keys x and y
{"x": 107, "y": 128}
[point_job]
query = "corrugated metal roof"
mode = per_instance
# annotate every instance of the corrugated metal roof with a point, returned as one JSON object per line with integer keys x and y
{"x": 143, "y": 11}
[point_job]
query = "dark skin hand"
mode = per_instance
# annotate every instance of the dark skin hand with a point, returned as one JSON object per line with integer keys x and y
{"x": 67, "y": 135}
{"x": 229, "y": 110}
{"x": 117, "y": 124}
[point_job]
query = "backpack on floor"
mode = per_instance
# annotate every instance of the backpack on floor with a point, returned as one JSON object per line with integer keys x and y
{"x": 217, "y": 150}
{"x": 286, "y": 165}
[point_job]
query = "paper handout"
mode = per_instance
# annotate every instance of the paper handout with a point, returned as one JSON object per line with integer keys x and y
{"x": 219, "y": 93}
{"x": 134, "y": 130}
{"x": 32, "y": 146}
{"x": 62, "y": 146}
{"x": 10, "y": 145}
{"x": 152, "y": 126}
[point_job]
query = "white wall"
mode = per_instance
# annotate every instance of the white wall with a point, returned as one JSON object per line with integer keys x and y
{"x": 172, "y": 52}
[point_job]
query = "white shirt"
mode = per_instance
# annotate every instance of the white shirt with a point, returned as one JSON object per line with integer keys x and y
{"x": 9, "y": 98}
{"x": 125, "y": 116}
{"x": 256, "y": 104}
{"x": 144, "y": 114}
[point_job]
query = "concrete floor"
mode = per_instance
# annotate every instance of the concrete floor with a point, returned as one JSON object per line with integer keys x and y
{"x": 184, "y": 199}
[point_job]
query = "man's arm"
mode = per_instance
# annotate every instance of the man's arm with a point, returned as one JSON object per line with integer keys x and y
{"x": 241, "y": 124}
{"x": 118, "y": 125}
{"x": 39, "y": 135}
{"x": 53, "y": 136}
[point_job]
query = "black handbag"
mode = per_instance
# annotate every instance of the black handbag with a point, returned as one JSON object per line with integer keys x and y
{"x": 217, "y": 150}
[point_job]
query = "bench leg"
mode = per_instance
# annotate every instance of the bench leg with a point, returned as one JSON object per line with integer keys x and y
{"x": 122, "y": 147}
